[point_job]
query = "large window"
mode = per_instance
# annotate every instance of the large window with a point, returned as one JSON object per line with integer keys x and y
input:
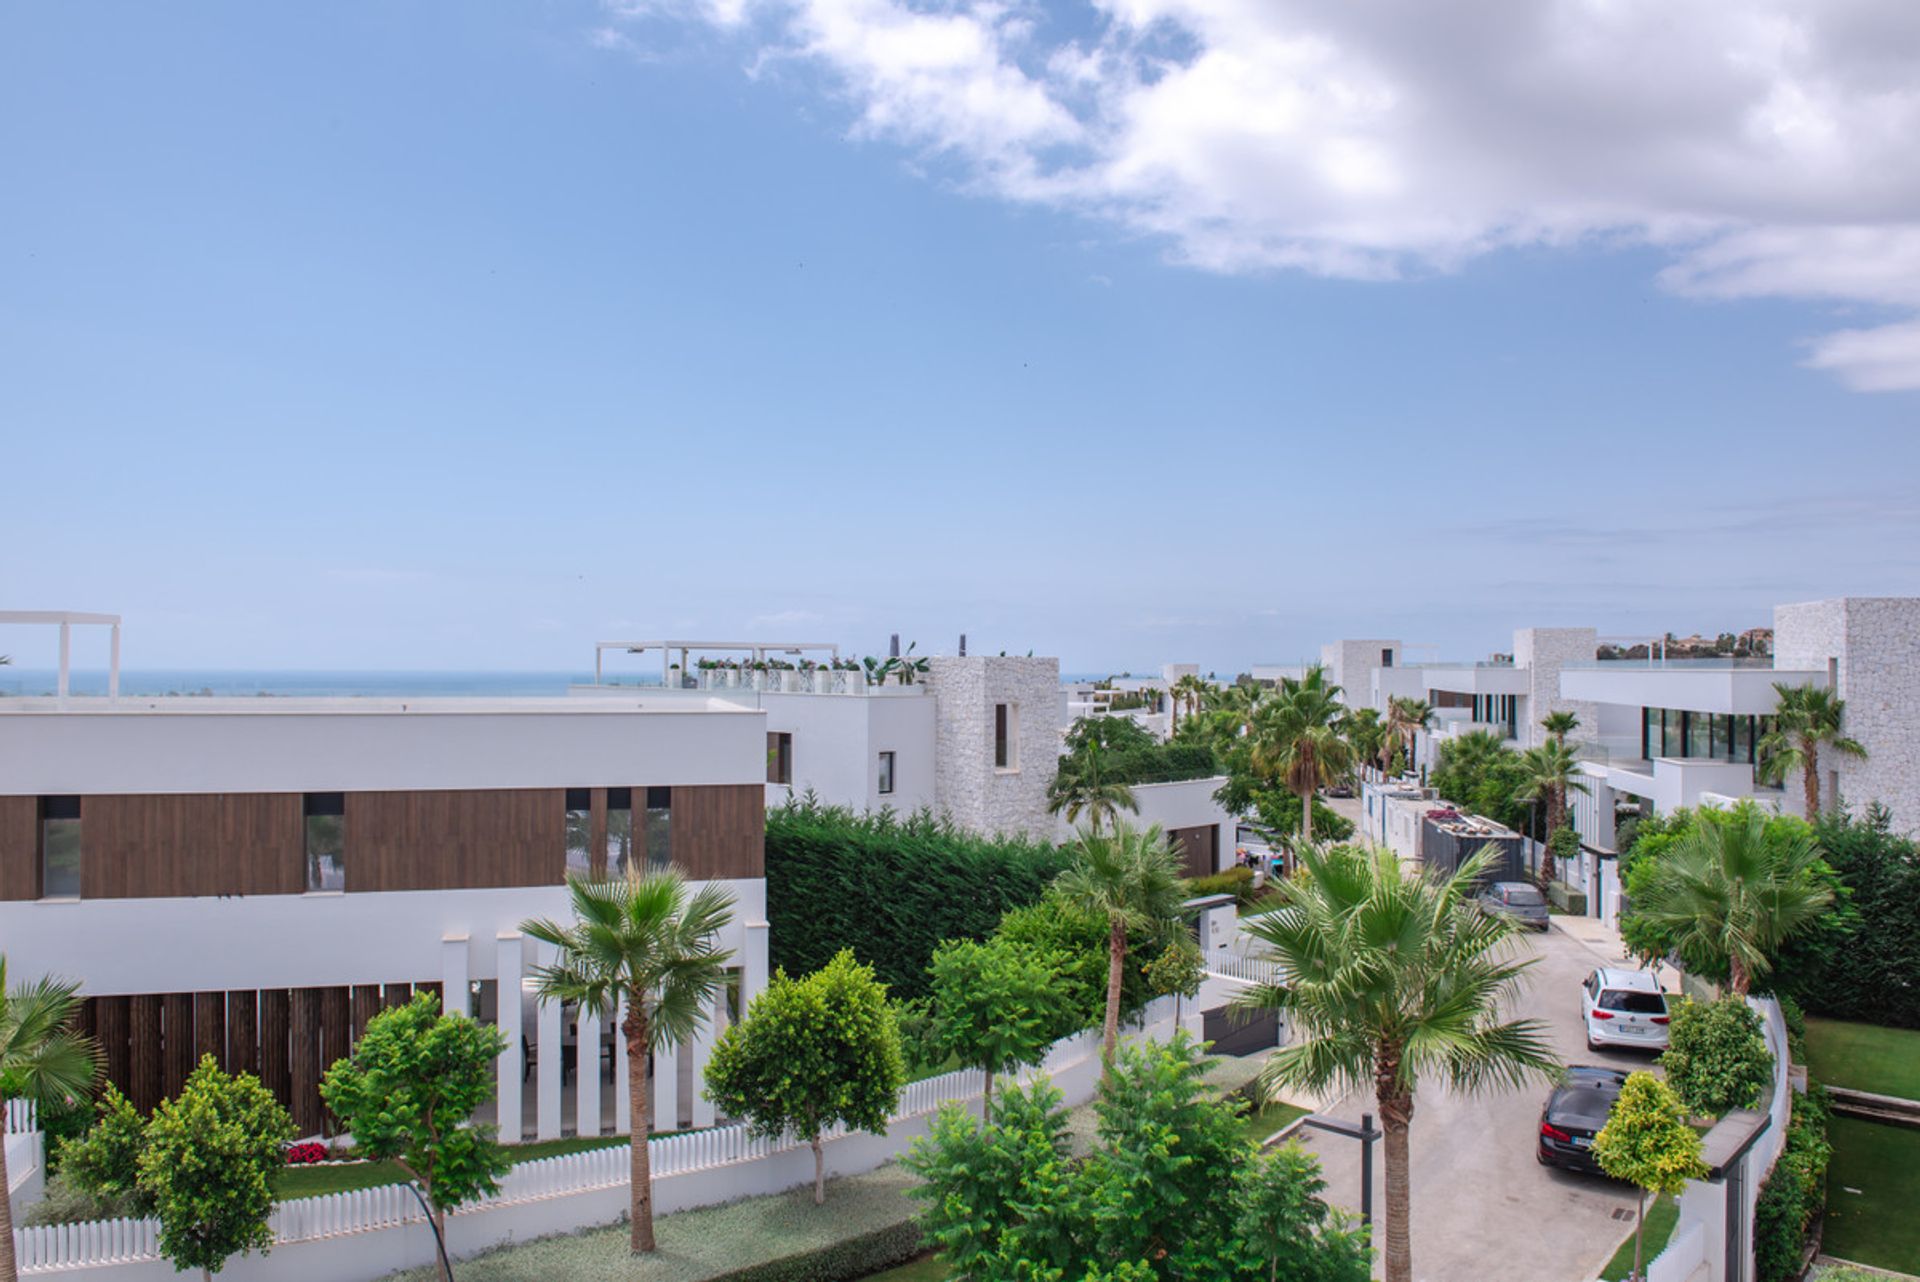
{"x": 619, "y": 830}
{"x": 886, "y": 773}
{"x": 579, "y": 831}
{"x": 60, "y": 847}
{"x": 779, "y": 757}
{"x": 1006, "y": 737}
{"x": 326, "y": 815}
{"x": 1703, "y": 736}
{"x": 659, "y": 828}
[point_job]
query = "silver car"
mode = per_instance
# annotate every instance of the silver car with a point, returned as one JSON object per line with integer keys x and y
{"x": 1515, "y": 899}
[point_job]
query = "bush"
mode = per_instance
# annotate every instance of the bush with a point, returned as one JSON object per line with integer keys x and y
{"x": 1160, "y": 763}
{"x": 891, "y": 889}
{"x": 1279, "y": 810}
{"x": 67, "y": 1202}
{"x": 1077, "y": 942}
{"x": 1868, "y": 969}
{"x": 1568, "y": 899}
{"x": 1717, "y": 1057}
{"x": 1795, "y": 1193}
{"x": 1237, "y": 882}
{"x": 857, "y": 1257}
{"x": 104, "y": 1164}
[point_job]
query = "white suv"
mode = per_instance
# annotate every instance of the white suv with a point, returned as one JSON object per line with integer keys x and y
{"x": 1624, "y": 1008}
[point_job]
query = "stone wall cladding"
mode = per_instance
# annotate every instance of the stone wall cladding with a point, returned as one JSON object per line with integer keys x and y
{"x": 967, "y": 785}
{"x": 1876, "y": 643}
{"x": 1543, "y": 652}
{"x": 1350, "y": 665}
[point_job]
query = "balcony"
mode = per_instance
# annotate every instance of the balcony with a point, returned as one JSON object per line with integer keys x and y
{"x": 1474, "y": 678}
{"x": 1742, "y": 687}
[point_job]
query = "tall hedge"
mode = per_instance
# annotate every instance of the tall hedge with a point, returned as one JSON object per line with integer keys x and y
{"x": 889, "y": 888}
{"x": 1868, "y": 967}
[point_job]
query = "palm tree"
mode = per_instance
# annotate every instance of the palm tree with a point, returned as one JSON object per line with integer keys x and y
{"x": 1807, "y": 718}
{"x": 1733, "y": 890}
{"x": 642, "y": 939}
{"x": 1408, "y": 716}
{"x": 1369, "y": 737}
{"x": 43, "y": 1058}
{"x": 1390, "y": 976}
{"x": 1551, "y": 774}
{"x": 1189, "y": 690}
{"x": 1131, "y": 879}
{"x": 1559, "y": 725}
{"x": 1298, "y": 739}
{"x": 1078, "y": 788}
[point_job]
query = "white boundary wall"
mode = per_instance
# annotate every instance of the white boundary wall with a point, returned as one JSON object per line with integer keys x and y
{"x": 372, "y": 1232}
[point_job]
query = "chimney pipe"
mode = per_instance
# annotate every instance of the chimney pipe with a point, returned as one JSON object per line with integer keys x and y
{"x": 893, "y": 647}
{"x": 963, "y": 645}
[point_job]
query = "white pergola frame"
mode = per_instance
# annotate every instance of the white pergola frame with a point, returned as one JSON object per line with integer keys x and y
{"x": 65, "y": 621}
{"x": 759, "y": 649}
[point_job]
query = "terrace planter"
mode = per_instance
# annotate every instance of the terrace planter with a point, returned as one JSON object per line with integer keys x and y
{"x": 822, "y": 681}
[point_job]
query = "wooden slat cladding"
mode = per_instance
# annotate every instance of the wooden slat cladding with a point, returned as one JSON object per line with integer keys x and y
{"x": 138, "y": 847}
{"x": 19, "y": 847}
{"x": 720, "y": 831}
{"x": 449, "y": 840}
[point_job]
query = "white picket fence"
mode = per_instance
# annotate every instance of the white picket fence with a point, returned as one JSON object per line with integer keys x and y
{"x": 21, "y": 1118}
{"x": 1252, "y": 970}
{"x": 101, "y": 1242}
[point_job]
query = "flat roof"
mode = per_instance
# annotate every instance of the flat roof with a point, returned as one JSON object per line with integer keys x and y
{"x": 351, "y": 705}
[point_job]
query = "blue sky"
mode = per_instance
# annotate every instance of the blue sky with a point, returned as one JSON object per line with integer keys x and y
{"x": 466, "y": 335}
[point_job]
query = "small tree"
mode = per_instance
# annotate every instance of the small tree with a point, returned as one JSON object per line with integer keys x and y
{"x": 105, "y": 1162}
{"x": 1717, "y": 1057}
{"x": 1563, "y": 849}
{"x": 812, "y": 1052}
{"x": 211, "y": 1161}
{"x": 995, "y": 1006}
{"x": 1647, "y": 1143}
{"x": 407, "y": 1093}
{"x": 1178, "y": 972}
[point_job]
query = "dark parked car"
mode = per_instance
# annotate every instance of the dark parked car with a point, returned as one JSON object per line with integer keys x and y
{"x": 1574, "y": 1114}
{"x": 1524, "y": 903}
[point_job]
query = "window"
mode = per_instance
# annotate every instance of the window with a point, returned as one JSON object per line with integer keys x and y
{"x": 1006, "y": 737}
{"x": 60, "y": 847}
{"x": 886, "y": 773}
{"x": 619, "y": 831}
{"x": 1633, "y": 1003}
{"x": 1386, "y": 658}
{"x": 659, "y": 828}
{"x": 326, "y": 814}
{"x": 579, "y": 832}
{"x": 779, "y": 757}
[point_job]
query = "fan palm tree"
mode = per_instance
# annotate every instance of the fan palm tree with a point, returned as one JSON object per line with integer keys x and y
{"x": 1551, "y": 774}
{"x": 1559, "y": 725}
{"x": 1079, "y": 788}
{"x": 1132, "y": 880}
{"x": 1188, "y": 692}
{"x": 1390, "y": 977}
{"x": 1370, "y": 737}
{"x": 645, "y": 940}
{"x": 1298, "y": 739}
{"x": 1408, "y": 716}
{"x": 44, "y": 1059}
{"x": 1733, "y": 890}
{"x": 1808, "y": 718}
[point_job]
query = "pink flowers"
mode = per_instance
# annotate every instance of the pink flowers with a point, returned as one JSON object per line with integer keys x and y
{"x": 306, "y": 1154}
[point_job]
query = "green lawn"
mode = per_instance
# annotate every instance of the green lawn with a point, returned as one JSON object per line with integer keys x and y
{"x": 928, "y": 1268}
{"x": 1865, "y": 1057}
{"x": 312, "y": 1181}
{"x": 1661, "y": 1217}
{"x": 1268, "y": 1119}
{"x": 1877, "y": 1224}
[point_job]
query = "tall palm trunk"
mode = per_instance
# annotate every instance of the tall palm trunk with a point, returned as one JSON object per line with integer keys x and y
{"x": 1810, "y": 774}
{"x": 1556, "y": 817}
{"x": 1396, "y": 1117}
{"x": 1306, "y": 817}
{"x": 1739, "y": 978}
{"x": 8, "y": 1272}
{"x": 640, "y": 1109}
{"x": 1116, "y": 971}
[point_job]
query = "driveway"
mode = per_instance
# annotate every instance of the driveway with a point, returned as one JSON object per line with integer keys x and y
{"x": 1483, "y": 1208}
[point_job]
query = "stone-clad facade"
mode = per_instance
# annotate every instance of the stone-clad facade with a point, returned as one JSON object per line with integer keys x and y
{"x": 1542, "y": 652}
{"x": 970, "y": 788}
{"x": 1870, "y": 647}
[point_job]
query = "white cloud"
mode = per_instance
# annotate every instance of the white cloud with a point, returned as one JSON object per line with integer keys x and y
{"x": 1766, "y": 145}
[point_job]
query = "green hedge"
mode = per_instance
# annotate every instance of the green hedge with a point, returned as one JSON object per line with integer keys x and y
{"x": 857, "y": 1257}
{"x": 1795, "y": 1193}
{"x": 891, "y": 889}
{"x": 1568, "y": 899}
{"x": 1161, "y": 763}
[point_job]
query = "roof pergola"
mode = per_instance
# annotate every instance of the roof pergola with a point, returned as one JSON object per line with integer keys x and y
{"x": 758, "y": 649}
{"x": 65, "y": 621}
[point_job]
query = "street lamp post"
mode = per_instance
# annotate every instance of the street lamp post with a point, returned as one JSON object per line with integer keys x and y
{"x": 1366, "y": 1134}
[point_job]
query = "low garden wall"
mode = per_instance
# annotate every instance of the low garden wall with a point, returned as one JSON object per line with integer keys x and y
{"x": 368, "y": 1233}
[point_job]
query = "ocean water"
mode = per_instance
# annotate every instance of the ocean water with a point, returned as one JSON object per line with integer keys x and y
{"x": 315, "y": 683}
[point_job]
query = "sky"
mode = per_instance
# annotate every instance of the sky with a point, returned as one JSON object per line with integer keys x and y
{"x": 465, "y": 335}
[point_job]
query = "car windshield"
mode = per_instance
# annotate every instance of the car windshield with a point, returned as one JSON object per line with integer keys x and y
{"x": 1633, "y": 1003}
{"x": 1525, "y": 897}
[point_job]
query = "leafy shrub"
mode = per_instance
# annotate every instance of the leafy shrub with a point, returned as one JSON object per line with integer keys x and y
{"x": 891, "y": 889}
{"x": 1716, "y": 1057}
{"x": 1564, "y": 844}
{"x": 1868, "y": 967}
{"x": 920, "y": 1044}
{"x": 1796, "y": 1191}
{"x": 104, "y": 1164}
{"x": 1237, "y": 882}
{"x": 66, "y": 1202}
{"x": 1160, "y": 763}
{"x": 1077, "y": 943}
{"x": 1279, "y": 810}
{"x": 856, "y": 1257}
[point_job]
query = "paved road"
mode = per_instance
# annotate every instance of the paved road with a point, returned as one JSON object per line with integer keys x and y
{"x": 1483, "y": 1209}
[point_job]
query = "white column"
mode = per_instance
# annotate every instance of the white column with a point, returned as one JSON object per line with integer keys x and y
{"x": 66, "y": 657}
{"x": 113, "y": 666}
{"x": 453, "y": 975}
{"x": 753, "y": 964}
{"x": 622, "y": 1099}
{"x": 549, "y": 1018}
{"x": 666, "y": 1089}
{"x": 586, "y": 1076}
{"x": 508, "y": 1095}
{"x": 703, "y": 1052}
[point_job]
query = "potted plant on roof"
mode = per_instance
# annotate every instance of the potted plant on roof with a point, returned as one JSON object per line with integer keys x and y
{"x": 907, "y": 667}
{"x": 823, "y": 678}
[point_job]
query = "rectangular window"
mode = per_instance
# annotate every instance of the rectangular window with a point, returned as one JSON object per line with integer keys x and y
{"x": 619, "y": 831}
{"x": 579, "y": 832}
{"x": 886, "y": 773}
{"x": 659, "y": 828}
{"x": 326, "y": 814}
{"x": 1006, "y": 737}
{"x": 779, "y": 757}
{"x": 60, "y": 847}
{"x": 1386, "y": 658}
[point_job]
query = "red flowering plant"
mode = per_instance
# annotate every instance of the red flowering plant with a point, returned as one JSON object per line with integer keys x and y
{"x": 306, "y": 1154}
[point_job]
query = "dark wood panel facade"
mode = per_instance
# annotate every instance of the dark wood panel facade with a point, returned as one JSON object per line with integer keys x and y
{"x": 1198, "y": 849}
{"x": 138, "y": 847}
{"x": 720, "y": 831}
{"x": 19, "y": 847}
{"x": 445, "y": 840}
